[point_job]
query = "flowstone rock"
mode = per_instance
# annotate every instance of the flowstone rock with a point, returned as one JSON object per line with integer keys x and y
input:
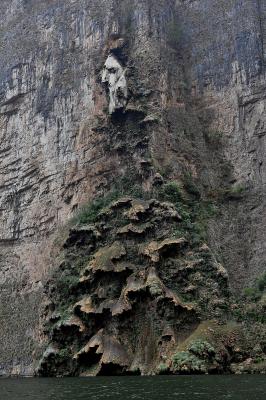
{"x": 114, "y": 76}
{"x": 129, "y": 306}
{"x": 193, "y": 102}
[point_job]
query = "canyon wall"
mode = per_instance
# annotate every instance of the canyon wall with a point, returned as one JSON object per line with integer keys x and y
{"x": 227, "y": 42}
{"x": 89, "y": 89}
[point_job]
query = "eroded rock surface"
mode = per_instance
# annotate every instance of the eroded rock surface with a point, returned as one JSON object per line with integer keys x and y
{"x": 183, "y": 100}
{"x": 58, "y": 148}
{"x": 114, "y": 76}
{"x": 125, "y": 303}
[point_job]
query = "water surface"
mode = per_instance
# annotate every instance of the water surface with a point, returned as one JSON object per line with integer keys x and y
{"x": 137, "y": 388}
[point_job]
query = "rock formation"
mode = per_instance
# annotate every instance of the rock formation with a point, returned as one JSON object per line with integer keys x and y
{"x": 124, "y": 312}
{"x": 114, "y": 76}
{"x": 107, "y": 97}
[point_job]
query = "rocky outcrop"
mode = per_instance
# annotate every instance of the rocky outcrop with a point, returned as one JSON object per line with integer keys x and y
{"x": 147, "y": 301}
{"x": 144, "y": 91}
{"x": 58, "y": 147}
{"x": 114, "y": 76}
{"x": 123, "y": 303}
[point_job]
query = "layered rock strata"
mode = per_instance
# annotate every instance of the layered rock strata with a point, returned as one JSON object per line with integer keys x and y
{"x": 89, "y": 88}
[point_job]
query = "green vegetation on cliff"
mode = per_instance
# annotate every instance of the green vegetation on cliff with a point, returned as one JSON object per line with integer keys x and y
{"x": 136, "y": 273}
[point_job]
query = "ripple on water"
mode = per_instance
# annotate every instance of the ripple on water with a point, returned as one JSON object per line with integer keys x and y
{"x": 137, "y": 388}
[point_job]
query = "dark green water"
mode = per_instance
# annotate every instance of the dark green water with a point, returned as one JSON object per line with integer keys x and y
{"x": 137, "y": 388}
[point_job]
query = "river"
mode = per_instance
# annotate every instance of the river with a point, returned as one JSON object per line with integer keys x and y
{"x": 244, "y": 387}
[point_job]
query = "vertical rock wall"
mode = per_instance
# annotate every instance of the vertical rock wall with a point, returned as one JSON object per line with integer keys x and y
{"x": 226, "y": 44}
{"x": 59, "y": 147}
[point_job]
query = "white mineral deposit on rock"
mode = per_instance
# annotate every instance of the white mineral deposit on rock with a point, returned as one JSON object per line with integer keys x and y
{"x": 114, "y": 75}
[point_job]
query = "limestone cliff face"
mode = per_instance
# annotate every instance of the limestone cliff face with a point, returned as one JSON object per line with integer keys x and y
{"x": 90, "y": 91}
{"x": 228, "y": 59}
